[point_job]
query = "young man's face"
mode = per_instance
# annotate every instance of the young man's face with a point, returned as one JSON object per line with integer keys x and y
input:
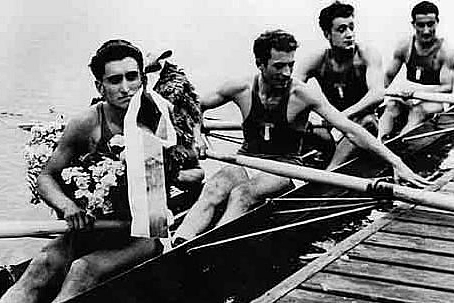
{"x": 342, "y": 34}
{"x": 425, "y": 27}
{"x": 120, "y": 82}
{"x": 278, "y": 71}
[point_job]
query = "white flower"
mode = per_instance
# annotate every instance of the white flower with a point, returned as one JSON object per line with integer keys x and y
{"x": 117, "y": 140}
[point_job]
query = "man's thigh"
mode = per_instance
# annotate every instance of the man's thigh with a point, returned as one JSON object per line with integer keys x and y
{"x": 115, "y": 258}
{"x": 265, "y": 185}
{"x": 431, "y": 107}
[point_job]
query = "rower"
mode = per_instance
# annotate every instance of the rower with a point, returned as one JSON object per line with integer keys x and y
{"x": 275, "y": 108}
{"x": 349, "y": 74}
{"x": 430, "y": 66}
{"x": 82, "y": 258}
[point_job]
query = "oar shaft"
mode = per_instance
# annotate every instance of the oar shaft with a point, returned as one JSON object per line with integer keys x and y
{"x": 295, "y": 172}
{"x": 15, "y": 229}
{"x": 406, "y": 194}
{"x": 221, "y": 125}
{"x": 428, "y": 134}
{"x": 424, "y": 197}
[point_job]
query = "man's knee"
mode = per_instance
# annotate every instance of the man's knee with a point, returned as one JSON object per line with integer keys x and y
{"x": 418, "y": 111}
{"x": 370, "y": 123}
{"x": 393, "y": 108}
{"x": 233, "y": 172}
{"x": 243, "y": 197}
{"x": 84, "y": 272}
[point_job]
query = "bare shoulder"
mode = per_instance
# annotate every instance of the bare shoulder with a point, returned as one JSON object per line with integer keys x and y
{"x": 368, "y": 53}
{"x": 234, "y": 87}
{"x": 81, "y": 126}
{"x": 302, "y": 93}
{"x": 447, "y": 50}
{"x": 312, "y": 60}
{"x": 402, "y": 47}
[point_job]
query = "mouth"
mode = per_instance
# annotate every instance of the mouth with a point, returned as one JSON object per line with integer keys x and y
{"x": 281, "y": 82}
{"x": 125, "y": 99}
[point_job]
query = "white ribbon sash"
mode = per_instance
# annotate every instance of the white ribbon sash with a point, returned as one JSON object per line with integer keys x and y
{"x": 145, "y": 169}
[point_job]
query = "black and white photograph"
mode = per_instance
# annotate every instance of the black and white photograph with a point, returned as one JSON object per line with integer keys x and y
{"x": 226, "y": 151}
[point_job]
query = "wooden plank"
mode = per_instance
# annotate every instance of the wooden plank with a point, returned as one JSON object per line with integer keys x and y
{"x": 318, "y": 264}
{"x": 428, "y": 217}
{"x": 306, "y": 296}
{"x": 374, "y": 290}
{"x": 393, "y": 274}
{"x": 412, "y": 243}
{"x": 403, "y": 257}
{"x": 422, "y": 230}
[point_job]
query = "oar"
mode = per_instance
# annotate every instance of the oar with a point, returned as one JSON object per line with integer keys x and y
{"x": 221, "y": 125}
{"x": 403, "y": 193}
{"x": 428, "y": 134}
{"x": 16, "y": 229}
{"x": 427, "y": 97}
{"x": 280, "y": 228}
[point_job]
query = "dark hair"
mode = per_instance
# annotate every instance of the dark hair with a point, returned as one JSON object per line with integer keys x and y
{"x": 113, "y": 50}
{"x": 335, "y": 10}
{"x": 277, "y": 39}
{"x": 424, "y": 8}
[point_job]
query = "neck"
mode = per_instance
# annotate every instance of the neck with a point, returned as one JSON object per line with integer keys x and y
{"x": 267, "y": 89}
{"x": 342, "y": 54}
{"x": 115, "y": 115}
{"x": 427, "y": 44}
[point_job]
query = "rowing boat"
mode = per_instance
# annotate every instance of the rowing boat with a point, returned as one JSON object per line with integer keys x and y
{"x": 239, "y": 257}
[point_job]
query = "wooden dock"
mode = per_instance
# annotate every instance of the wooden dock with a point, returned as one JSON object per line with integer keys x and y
{"x": 405, "y": 256}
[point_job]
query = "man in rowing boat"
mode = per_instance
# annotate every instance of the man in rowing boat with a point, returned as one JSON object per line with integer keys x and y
{"x": 80, "y": 259}
{"x": 349, "y": 74}
{"x": 275, "y": 110}
{"x": 430, "y": 65}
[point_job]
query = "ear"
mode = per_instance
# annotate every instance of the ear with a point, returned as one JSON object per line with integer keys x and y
{"x": 327, "y": 34}
{"x": 100, "y": 87}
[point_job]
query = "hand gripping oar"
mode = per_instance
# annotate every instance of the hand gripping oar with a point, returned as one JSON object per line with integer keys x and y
{"x": 16, "y": 229}
{"x": 427, "y": 97}
{"x": 398, "y": 192}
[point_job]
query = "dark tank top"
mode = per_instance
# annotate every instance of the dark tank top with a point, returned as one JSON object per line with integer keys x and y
{"x": 345, "y": 88}
{"x": 267, "y": 131}
{"x": 119, "y": 195}
{"x": 424, "y": 69}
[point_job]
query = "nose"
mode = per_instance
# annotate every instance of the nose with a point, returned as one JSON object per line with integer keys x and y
{"x": 349, "y": 33}
{"x": 124, "y": 86}
{"x": 426, "y": 29}
{"x": 286, "y": 70}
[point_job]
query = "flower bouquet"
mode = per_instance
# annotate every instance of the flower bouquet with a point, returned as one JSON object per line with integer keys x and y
{"x": 91, "y": 181}
{"x": 43, "y": 141}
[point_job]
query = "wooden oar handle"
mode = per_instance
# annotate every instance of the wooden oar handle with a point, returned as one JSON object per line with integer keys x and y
{"x": 15, "y": 229}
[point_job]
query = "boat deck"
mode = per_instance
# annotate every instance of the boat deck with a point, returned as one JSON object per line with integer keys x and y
{"x": 405, "y": 256}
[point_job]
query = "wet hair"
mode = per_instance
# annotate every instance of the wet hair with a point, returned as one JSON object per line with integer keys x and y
{"x": 424, "y": 8}
{"x": 277, "y": 39}
{"x": 335, "y": 10}
{"x": 113, "y": 50}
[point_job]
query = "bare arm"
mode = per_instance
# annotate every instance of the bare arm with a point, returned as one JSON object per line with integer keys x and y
{"x": 446, "y": 74}
{"x": 47, "y": 181}
{"x": 223, "y": 94}
{"x": 395, "y": 65}
{"x": 360, "y": 137}
{"x": 375, "y": 84}
{"x": 308, "y": 66}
